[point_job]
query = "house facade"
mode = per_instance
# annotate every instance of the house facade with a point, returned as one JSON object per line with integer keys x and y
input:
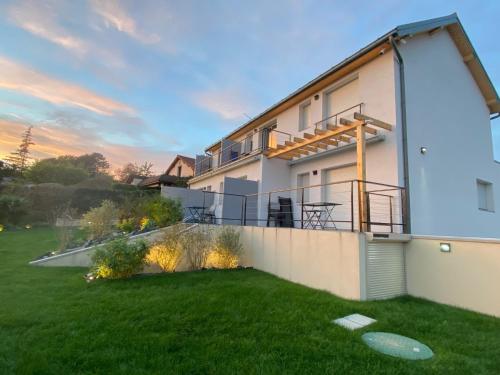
{"x": 181, "y": 166}
{"x": 426, "y": 103}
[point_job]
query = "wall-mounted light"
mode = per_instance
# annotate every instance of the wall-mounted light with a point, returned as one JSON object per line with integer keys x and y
{"x": 423, "y": 150}
{"x": 445, "y": 247}
{"x": 316, "y": 97}
{"x": 315, "y": 173}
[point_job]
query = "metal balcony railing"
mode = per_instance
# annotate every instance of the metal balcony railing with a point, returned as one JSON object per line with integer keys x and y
{"x": 232, "y": 151}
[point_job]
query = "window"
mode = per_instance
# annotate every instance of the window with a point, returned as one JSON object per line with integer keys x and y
{"x": 303, "y": 181}
{"x": 209, "y": 188}
{"x": 305, "y": 116}
{"x": 485, "y": 195}
{"x": 179, "y": 171}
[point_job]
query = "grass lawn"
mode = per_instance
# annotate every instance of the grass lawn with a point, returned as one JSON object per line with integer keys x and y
{"x": 218, "y": 322}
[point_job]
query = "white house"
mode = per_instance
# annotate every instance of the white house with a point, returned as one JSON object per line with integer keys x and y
{"x": 423, "y": 101}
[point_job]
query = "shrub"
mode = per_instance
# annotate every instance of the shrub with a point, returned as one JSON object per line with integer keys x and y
{"x": 99, "y": 221}
{"x": 12, "y": 209}
{"x": 119, "y": 259}
{"x": 127, "y": 225}
{"x": 227, "y": 249}
{"x": 164, "y": 211}
{"x": 146, "y": 224}
{"x": 196, "y": 245}
{"x": 167, "y": 253}
{"x": 58, "y": 171}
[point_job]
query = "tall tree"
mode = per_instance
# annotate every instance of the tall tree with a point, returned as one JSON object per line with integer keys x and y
{"x": 95, "y": 163}
{"x": 132, "y": 169}
{"x": 20, "y": 158}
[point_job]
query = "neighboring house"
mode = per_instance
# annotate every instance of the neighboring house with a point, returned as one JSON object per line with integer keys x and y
{"x": 134, "y": 180}
{"x": 177, "y": 174}
{"x": 181, "y": 166}
{"x": 428, "y": 100}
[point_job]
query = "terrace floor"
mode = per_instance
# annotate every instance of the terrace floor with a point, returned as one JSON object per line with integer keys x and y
{"x": 220, "y": 322}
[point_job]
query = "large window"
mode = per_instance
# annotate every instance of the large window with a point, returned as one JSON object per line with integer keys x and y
{"x": 305, "y": 116}
{"x": 485, "y": 195}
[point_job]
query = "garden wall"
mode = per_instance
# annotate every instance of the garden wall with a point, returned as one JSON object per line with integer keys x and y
{"x": 327, "y": 260}
{"x": 468, "y": 276}
{"x": 82, "y": 257}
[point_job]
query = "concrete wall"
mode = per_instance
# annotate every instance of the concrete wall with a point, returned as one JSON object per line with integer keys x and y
{"x": 448, "y": 115}
{"x": 327, "y": 260}
{"x": 468, "y": 276}
{"x": 83, "y": 257}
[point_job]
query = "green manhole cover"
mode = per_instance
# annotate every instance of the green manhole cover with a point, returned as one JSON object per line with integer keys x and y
{"x": 397, "y": 345}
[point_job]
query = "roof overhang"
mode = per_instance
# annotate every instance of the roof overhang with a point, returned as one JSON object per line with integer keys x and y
{"x": 372, "y": 51}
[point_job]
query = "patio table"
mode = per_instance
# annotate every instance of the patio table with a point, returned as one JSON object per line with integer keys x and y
{"x": 318, "y": 214}
{"x": 197, "y": 213}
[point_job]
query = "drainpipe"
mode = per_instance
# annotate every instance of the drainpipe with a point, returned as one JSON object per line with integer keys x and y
{"x": 402, "y": 96}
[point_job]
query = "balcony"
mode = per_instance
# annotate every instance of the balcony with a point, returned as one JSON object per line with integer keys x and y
{"x": 231, "y": 152}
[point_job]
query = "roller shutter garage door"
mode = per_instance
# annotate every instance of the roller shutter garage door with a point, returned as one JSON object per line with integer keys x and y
{"x": 386, "y": 276}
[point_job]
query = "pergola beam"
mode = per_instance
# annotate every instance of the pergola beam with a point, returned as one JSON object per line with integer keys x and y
{"x": 314, "y": 139}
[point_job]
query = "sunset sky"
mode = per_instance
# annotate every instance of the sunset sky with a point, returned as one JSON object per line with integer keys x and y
{"x": 145, "y": 80}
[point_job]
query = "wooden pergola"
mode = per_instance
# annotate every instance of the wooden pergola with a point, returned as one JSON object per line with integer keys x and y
{"x": 348, "y": 132}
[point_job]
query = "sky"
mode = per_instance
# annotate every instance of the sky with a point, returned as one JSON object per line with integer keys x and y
{"x": 146, "y": 80}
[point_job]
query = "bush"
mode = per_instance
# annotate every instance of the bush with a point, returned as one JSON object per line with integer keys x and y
{"x": 127, "y": 225}
{"x": 164, "y": 211}
{"x": 146, "y": 224}
{"x": 196, "y": 245}
{"x": 227, "y": 249}
{"x": 167, "y": 253}
{"x": 12, "y": 209}
{"x": 51, "y": 170}
{"x": 99, "y": 222}
{"x": 119, "y": 259}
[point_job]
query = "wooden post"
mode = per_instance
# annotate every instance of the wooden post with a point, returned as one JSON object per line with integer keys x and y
{"x": 361, "y": 173}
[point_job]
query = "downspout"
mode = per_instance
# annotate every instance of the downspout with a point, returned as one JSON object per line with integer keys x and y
{"x": 402, "y": 96}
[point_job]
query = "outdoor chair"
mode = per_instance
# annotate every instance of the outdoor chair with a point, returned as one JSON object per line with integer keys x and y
{"x": 282, "y": 216}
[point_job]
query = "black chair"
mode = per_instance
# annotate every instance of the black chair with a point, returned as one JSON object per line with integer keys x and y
{"x": 286, "y": 212}
{"x": 283, "y": 216}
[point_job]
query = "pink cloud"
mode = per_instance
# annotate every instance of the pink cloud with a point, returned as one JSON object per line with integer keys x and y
{"x": 114, "y": 15}
{"x": 228, "y": 104}
{"x": 18, "y": 77}
{"x": 53, "y": 141}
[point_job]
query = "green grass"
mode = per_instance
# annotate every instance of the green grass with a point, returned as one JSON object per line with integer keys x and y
{"x": 219, "y": 322}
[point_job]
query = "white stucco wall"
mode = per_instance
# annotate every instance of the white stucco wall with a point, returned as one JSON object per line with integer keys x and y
{"x": 323, "y": 260}
{"x": 447, "y": 114}
{"x": 467, "y": 276}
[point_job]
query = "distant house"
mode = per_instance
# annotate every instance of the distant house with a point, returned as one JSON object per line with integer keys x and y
{"x": 181, "y": 166}
{"x": 177, "y": 174}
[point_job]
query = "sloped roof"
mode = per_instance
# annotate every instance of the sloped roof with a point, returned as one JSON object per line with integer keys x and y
{"x": 186, "y": 159}
{"x": 451, "y": 23}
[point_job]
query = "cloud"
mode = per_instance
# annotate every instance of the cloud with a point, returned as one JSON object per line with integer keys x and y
{"x": 40, "y": 19}
{"x": 229, "y": 104}
{"x": 114, "y": 15}
{"x": 18, "y": 77}
{"x": 53, "y": 140}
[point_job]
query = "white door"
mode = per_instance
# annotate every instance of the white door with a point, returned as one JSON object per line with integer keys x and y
{"x": 341, "y": 99}
{"x": 336, "y": 191}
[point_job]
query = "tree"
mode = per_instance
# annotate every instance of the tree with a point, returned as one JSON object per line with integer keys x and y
{"x": 132, "y": 169}
{"x": 95, "y": 163}
{"x": 20, "y": 158}
{"x": 56, "y": 170}
{"x": 146, "y": 169}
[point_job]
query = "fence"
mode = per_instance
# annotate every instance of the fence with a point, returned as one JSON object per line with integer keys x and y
{"x": 329, "y": 206}
{"x": 231, "y": 151}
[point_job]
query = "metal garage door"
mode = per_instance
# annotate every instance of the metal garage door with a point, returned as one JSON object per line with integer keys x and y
{"x": 385, "y": 270}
